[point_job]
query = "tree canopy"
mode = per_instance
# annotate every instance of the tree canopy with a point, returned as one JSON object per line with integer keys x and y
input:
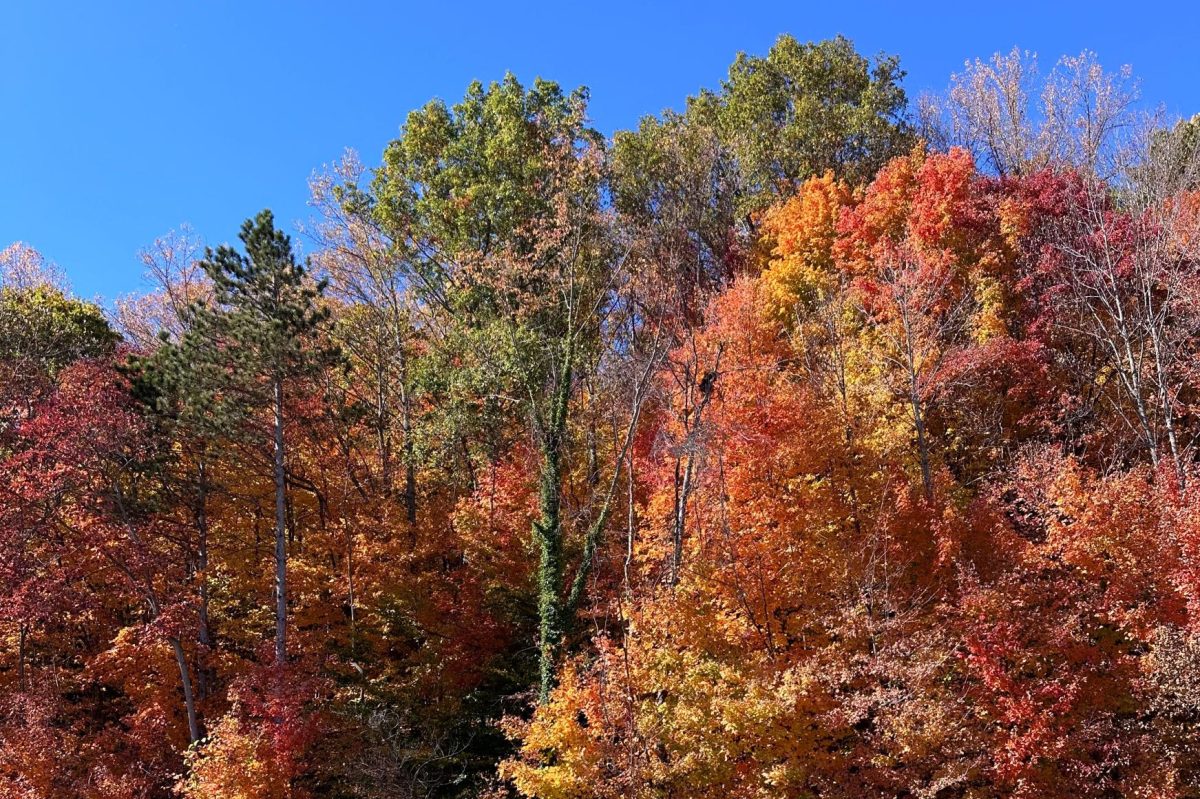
{"x": 794, "y": 443}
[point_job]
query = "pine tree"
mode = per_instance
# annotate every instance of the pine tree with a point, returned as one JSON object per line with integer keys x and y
{"x": 241, "y": 353}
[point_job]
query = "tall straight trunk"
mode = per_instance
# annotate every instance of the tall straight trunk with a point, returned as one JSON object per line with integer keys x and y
{"x": 280, "y": 528}
{"x": 547, "y": 531}
{"x": 410, "y": 484}
{"x": 410, "y": 457}
{"x": 205, "y": 676}
{"x": 683, "y": 491}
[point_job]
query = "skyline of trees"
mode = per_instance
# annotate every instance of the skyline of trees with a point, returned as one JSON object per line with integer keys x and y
{"x": 803, "y": 442}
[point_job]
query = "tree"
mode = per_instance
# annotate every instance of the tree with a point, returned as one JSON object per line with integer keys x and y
{"x": 494, "y": 208}
{"x": 244, "y": 352}
{"x": 378, "y": 329}
{"x": 798, "y": 112}
{"x": 804, "y": 109}
{"x": 914, "y": 260}
{"x": 42, "y": 330}
{"x": 172, "y": 267}
{"x": 23, "y": 267}
{"x": 1016, "y": 121}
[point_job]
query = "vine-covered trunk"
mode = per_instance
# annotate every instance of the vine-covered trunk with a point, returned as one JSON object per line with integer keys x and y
{"x": 547, "y": 531}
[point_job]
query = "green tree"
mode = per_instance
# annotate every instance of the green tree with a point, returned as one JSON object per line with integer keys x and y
{"x": 777, "y": 120}
{"x": 240, "y": 356}
{"x": 44, "y": 330}
{"x": 807, "y": 108}
{"x": 496, "y": 208}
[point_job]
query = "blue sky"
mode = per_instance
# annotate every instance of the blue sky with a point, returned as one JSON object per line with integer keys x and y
{"x": 121, "y": 120}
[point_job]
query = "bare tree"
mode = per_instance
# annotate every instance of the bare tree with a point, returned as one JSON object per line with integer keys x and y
{"x": 173, "y": 271}
{"x": 23, "y": 267}
{"x": 1015, "y": 120}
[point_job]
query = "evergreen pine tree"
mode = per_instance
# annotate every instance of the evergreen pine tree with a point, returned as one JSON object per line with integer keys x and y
{"x": 239, "y": 356}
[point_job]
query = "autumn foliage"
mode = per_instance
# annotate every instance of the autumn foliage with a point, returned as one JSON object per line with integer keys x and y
{"x": 598, "y": 473}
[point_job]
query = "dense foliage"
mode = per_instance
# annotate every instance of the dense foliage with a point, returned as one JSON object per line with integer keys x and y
{"x": 794, "y": 444}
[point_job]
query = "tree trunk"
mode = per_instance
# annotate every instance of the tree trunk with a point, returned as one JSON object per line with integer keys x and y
{"x": 547, "y": 531}
{"x": 684, "y": 478}
{"x": 280, "y": 529}
{"x": 922, "y": 443}
{"x": 914, "y": 398}
{"x": 21, "y": 657}
{"x": 205, "y": 675}
{"x": 410, "y": 466}
{"x": 683, "y": 491}
{"x": 189, "y": 698}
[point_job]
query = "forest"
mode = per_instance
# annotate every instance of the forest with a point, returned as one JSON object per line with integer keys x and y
{"x": 811, "y": 440}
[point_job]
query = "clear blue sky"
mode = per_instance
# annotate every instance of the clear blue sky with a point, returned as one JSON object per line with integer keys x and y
{"x": 121, "y": 120}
